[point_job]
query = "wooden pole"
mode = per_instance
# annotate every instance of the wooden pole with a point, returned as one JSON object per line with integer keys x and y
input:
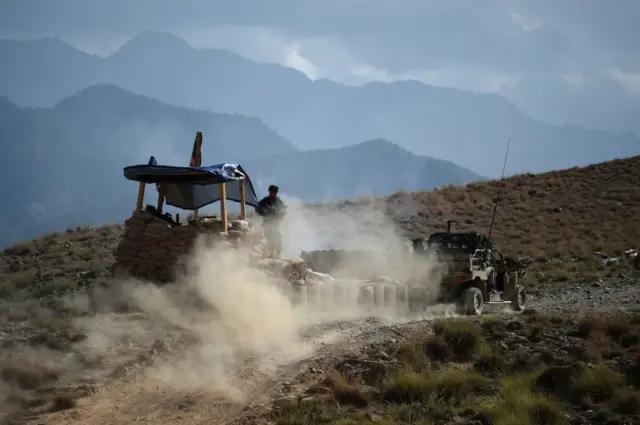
{"x": 223, "y": 205}
{"x": 160, "y": 199}
{"x": 140, "y": 197}
{"x": 243, "y": 205}
{"x": 196, "y": 160}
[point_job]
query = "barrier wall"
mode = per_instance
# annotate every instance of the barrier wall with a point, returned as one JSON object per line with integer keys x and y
{"x": 154, "y": 249}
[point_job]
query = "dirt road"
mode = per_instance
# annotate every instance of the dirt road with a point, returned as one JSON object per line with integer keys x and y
{"x": 143, "y": 397}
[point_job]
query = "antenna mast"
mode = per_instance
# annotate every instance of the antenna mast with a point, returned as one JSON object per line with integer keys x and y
{"x": 495, "y": 205}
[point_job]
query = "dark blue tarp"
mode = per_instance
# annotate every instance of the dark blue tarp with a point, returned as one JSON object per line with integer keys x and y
{"x": 191, "y": 188}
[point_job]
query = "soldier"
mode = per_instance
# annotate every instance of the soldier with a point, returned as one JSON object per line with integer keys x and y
{"x": 272, "y": 209}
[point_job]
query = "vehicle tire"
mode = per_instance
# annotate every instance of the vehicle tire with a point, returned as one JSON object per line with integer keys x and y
{"x": 510, "y": 284}
{"x": 472, "y": 301}
{"x": 519, "y": 298}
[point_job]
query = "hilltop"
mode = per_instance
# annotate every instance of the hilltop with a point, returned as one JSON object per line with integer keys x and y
{"x": 443, "y": 123}
{"x": 376, "y": 167}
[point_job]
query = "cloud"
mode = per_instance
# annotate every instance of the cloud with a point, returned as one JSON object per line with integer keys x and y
{"x": 513, "y": 35}
{"x": 525, "y": 24}
{"x": 328, "y": 57}
{"x": 630, "y": 81}
{"x": 477, "y": 45}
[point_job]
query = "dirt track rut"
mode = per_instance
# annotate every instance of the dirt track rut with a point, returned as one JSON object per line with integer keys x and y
{"x": 144, "y": 399}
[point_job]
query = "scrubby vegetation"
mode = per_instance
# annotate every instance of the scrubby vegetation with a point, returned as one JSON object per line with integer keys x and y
{"x": 537, "y": 370}
{"x": 559, "y": 219}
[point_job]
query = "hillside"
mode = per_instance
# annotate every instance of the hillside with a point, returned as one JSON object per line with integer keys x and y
{"x": 462, "y": 127}
{"x": 58, "y": 360}
{"x": 376, "y": 167}
{"x": 552, "y": 217}
{"x": 559, "y": 218}
{"x": 83, "y": 142}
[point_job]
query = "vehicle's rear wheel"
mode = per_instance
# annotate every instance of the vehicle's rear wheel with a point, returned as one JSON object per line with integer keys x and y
{"x": 472, "y": 301}
{"x": 519, "y": 298}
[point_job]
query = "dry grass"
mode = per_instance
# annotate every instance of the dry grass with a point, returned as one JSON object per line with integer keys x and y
{"x": 559, "y": 218}
{"x": 57, "y": 263}
{"x": 488, "y": 384}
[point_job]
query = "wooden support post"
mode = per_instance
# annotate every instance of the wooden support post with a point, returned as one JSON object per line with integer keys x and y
{"x": 223, "y": 205}
{"x": 140, "y": 197}
{"x": 196, "y": 159}
{"x": 160, "y": 199}
{"x": 243, "y": 205}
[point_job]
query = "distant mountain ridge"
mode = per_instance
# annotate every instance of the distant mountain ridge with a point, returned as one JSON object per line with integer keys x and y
{"x": 468, "y": 129}
{"x": 372, "y": 168}
{"x": 62, "y": 166}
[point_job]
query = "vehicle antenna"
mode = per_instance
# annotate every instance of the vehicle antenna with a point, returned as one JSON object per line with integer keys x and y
{"x": 495, "y": 205}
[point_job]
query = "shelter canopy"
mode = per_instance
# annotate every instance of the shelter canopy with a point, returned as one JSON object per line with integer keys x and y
{"x": 191, "y": 188}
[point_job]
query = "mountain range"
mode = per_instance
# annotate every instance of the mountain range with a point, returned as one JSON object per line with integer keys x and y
{"x": 62, "y": 166}
{"x": 466, "y": 128}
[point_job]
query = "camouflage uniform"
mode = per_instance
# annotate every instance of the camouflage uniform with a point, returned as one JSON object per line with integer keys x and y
{"x": 272, "y": 209}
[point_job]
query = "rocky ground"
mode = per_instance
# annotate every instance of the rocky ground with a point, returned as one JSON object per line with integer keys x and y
{"x": 369, "y": 370}
{"x": 621, "y": 293}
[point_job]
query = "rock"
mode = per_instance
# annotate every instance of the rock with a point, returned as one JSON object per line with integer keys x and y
{"x": 307, "y": 400}
{"x": 287, "y": 401}
{"x": 373, "y": 417}
{"x": 514, "y": 325}
{"x": 383, "y": 355}
{"x": 318, "y": 389}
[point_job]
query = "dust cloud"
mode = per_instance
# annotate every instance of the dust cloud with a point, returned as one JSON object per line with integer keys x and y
{"x": 226, "y": 323}
{"x": 375, "y": 246}
{"x": 240, "y": 320}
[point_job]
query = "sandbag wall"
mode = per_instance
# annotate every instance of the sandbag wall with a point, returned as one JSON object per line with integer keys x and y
{"x": 347, "y": 264}
{"x": 344, "y": 295}
{"x": 154, "y": 249}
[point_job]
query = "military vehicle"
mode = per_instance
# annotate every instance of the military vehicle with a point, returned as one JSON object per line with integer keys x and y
{"x": 476, "y": 273}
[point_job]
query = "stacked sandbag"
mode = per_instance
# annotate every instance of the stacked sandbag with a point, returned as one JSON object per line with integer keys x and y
{"x": 242, "y": 230}
{"x": 156, "y": 249}
{"x": 211, "y": 224}
{"x": 294, "y": 270}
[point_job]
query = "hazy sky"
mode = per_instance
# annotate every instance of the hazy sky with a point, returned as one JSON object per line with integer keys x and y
{"x": 475, "y": 44}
